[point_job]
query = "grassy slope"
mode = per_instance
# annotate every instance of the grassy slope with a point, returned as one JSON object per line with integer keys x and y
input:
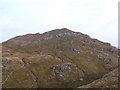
{"x": 44, "y": 55}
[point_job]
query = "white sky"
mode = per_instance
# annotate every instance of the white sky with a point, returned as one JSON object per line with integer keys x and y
{"x": 97, "y": 18}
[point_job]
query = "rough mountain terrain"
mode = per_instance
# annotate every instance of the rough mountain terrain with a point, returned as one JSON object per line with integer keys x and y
{"x": 58, "y": 58}
{"x": 109, "y": 80}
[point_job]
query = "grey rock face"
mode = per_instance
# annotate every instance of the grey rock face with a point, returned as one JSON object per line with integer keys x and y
{"x": 67, "y": 34}
{"x": 75, "y": 50}
{"x": 105, "y": 58}
{"x": 107, "y": 61}
{"x": 47, "y": 38}
{"x": 5, "y": 60}
{"x": 113, "y": 50}
{"x": 64, "y": 67}
{"x": 86, "y": 41}
{"x": 59, "y": 35}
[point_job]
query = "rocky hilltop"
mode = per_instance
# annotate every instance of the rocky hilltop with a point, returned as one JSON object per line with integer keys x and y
{"x": 58, "y": 58}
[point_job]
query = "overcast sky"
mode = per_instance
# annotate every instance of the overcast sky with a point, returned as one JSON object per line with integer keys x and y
{"x": 97, "y": 18}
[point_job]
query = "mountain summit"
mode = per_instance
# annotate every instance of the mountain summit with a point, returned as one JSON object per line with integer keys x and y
{"x": 58, "y": 58}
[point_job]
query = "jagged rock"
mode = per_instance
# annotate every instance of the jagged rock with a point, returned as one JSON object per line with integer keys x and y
{"x": 103, "y": 56}
{"x": 37, "y": 34}
{"x": 67, "y": 34}
{"x": 45, "y": 39}
{"x": 64, "y": 67}
{"x": 59, "y": 35}
{"x": 74, "y": 50}
{"x": 108, "y": 44}
{"x": 5, "y": 60}
{"x": 86, "y": 41}
{"x": 112, "y": 50}
{"x": 107, "y": 61}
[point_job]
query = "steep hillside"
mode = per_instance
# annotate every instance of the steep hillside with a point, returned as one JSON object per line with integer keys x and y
{"x": 109, "y": 80}
{"x": 58, "y": 58}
